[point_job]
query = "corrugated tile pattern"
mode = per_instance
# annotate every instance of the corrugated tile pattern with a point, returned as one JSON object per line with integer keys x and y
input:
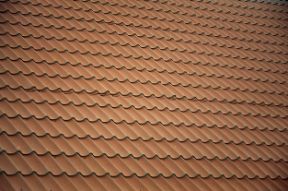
{"x": 143, "y": 95}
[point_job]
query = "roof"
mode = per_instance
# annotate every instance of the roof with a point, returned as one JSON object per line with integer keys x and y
{"x": 143, "y": 95}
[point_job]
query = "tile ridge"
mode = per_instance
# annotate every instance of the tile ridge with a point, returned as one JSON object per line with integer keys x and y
{"x": 155, "y": 8}
{"x": 151, "y": 36}
{"x": 185, "y": 31}
{"x": 141, "y": 156}
{"x": 29, "y": 47}
{"x": 236, "y": 89}
{"x": 70, "y": 118}
{"x": 135, "y": 176}
{"x": 262, "y": 129}
{"x": 144, "y": 81}
{"x": 219, "y": 55}
{"x": 163, "y": 139}
{"x": 269, "y": 2}
{"x": 184, "y": 174}
{"x": 66, "y": 7}
{"x": 224, "y": 4}
{"x": 155, "y": 69}
{"x": 163, "y": 48}
{"x": 75, "y": 39}
{"x": 219, "y": 112}
{"x": 146, "y": 175}
{"x": 142, "y": 94}
{"x": 170, "y": 60}
{"x": 120, "y": 54}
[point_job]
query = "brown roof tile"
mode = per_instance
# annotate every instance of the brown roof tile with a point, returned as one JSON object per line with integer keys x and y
{"x": 143, "y": 95}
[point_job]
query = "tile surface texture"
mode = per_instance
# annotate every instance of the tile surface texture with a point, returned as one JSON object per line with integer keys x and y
{"x": 143, "y": 95}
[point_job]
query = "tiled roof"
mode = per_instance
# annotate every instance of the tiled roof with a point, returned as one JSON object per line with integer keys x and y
{"x": 143, "y": 95}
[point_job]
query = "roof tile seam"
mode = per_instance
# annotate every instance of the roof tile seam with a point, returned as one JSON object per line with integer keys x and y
{"x": 183, "y": 21}
{"x": 208, "y": 64}
{"x": 218, "y": 55}
{"x": 156, "y": 70}
{"x": 176, "y": 125}
{"x": 142, "y": 81}
{"x": 166, "y": 48}
{"x": 143, "y": 107}
{"x": 167, "y": 10}
{"x": 32, "y": 88}
{"x": 222, "y": 176}
{"x": 190, "y": 22}
{"x": 149, "y": 26}
{"x": 278, "y": 2}
{"x": 247, "y": 7}
{"x": 30, "y": 116}
{"x": 236, "y": 89}
{"x": 148, "y": 57}
{"x": 155, "y": 156}
{"x": 135, "y": 15}
{"x": 236, "y": 38}
{"x": 149, "y": 174}
{"x": 157, "y": 9}
{"x": 163, "y": 139}
{"x": 157, "y": 47}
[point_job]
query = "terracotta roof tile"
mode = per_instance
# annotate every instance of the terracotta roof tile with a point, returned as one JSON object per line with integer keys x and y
{"x": 143, "y": 95}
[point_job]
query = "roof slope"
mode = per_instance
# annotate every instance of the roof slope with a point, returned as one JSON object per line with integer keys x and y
{"x": 143, "y": 95}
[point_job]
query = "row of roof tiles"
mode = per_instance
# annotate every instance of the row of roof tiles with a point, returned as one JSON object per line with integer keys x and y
{"x": 77, "y": 182}
{"x": 140, "y": 148}
{"x": 133, "y": 115}
{"x": 50, "y": 21}
{"x": 116, "y": 87}
{"x": 146, "y": 132}
{"x": 43, "y": 164}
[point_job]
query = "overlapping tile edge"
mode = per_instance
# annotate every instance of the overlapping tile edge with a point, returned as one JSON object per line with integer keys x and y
{"x": 275, "y": 126}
